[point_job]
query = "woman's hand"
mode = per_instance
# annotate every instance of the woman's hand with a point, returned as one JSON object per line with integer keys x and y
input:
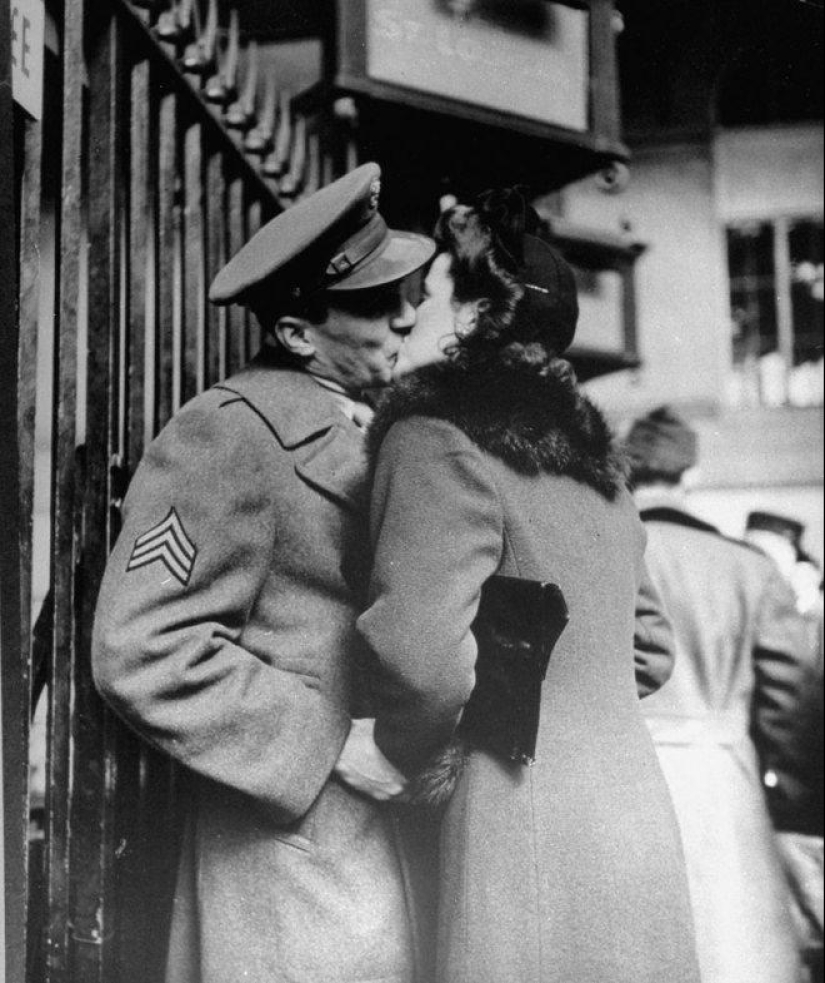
{"x": 364, "y": 768}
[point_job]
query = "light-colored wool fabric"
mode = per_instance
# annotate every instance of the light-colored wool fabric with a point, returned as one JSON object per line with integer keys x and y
{"x": 247, "y": 675}
{"x": 740, "y": 648}
{"x": 570, "y": 871}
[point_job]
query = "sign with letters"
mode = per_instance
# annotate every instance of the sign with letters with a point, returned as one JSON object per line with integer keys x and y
{"x": 27, "y": 47}
{"x": 529, "y": 59}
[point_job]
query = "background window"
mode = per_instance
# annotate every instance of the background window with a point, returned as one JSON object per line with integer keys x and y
{"x": 805, "y": 246}
{"x": 776, "y": 299}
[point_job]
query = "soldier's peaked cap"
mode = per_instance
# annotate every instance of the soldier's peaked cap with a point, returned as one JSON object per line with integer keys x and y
{"x": 334, "y": 240}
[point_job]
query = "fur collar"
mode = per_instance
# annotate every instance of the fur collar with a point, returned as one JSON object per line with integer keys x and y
{"x": 534, "y": 423}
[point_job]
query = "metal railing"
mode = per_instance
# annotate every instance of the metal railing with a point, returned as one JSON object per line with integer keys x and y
{"x": 159, "y": 153}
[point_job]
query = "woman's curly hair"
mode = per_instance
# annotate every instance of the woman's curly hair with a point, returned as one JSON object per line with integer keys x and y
{"x": 486, "y": 244}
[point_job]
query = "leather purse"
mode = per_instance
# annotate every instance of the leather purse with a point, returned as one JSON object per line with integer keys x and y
{"x": 518, "y": 624}
{"x": 517, "y": 627}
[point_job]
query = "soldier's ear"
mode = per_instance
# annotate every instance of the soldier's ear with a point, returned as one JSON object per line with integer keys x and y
{"x": 293, "y": 334}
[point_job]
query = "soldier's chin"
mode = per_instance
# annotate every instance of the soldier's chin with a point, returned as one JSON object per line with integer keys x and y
{"x": 403, "y": 366}
{"x": 413, "y": 357}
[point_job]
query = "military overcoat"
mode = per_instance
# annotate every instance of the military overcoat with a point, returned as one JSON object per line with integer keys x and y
{"x": 570, "y": 871}
{"x": 225, "y": 635}
{"x": 735, "y": 691}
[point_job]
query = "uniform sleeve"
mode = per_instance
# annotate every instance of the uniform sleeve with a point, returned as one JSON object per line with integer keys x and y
{"x": 197, "y": 542}
{"x": 783, "y": 657}
{"x": 438, "y": 531}
{"x": 654, "y": 651}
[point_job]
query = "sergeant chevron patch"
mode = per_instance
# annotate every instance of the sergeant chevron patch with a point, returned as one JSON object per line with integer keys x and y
{"x": 166, "y": 543}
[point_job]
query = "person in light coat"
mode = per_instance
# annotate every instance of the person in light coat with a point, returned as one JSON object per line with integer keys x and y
{"x": 225, "y": 629}
{"x": 740, "y": 658}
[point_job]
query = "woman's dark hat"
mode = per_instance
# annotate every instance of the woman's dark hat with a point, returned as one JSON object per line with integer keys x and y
{"x": 550, "y": 286}
{"x": 550, "y": 289}
{"x": 335, "y": 240}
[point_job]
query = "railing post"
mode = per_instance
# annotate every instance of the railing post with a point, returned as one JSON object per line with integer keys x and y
{"x": 13, "y": 681}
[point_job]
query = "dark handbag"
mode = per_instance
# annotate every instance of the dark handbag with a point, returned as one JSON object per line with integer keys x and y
{"x": 517, "y": 627}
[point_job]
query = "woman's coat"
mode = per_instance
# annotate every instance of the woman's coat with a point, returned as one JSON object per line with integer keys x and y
{"x": 570, "y": 871}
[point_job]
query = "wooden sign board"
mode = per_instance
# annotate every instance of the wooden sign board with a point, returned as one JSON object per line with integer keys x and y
{"x": 545, "y": 68}
{"x": 532, "y": 67}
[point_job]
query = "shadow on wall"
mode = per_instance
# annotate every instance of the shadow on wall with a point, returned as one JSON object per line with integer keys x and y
{"x": 528, "y": 17}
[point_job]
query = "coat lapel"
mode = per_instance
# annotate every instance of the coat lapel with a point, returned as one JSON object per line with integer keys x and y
{"x": 328, "y": 449}
{"x": 293, "y": 405}
{"x": 336, "y": 463}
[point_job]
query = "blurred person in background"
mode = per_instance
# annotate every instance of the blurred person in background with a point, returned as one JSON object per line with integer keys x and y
{"x": 794, "y": 779}
{"x": 739, "y": 670}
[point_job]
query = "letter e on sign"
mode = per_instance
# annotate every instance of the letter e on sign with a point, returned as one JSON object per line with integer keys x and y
{"x": 27, "y": 40}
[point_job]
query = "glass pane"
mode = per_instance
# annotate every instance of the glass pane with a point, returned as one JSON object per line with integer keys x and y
{"x": 750, "y": 250}
{"x": 601, "y": 313}
{"x": 752, "y": 290}
{"x": 805, "y": 246}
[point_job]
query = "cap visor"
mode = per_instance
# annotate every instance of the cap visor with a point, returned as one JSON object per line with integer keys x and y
{"x": 403, "y": 254}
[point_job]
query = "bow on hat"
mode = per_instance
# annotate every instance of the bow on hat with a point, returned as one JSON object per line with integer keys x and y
{"x": 550, "y": 286}
{"x": 509, "y": 216}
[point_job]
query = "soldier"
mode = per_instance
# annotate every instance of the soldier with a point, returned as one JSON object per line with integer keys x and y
{"x": 225, "y": 629}
{"x": 739, "y": 669}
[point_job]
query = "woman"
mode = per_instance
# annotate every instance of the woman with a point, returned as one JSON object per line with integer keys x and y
{"x": 490, "y": 461}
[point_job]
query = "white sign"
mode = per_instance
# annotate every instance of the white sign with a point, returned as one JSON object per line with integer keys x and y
{"x": 529, "y": 59}
{"x": 27, "y": 46}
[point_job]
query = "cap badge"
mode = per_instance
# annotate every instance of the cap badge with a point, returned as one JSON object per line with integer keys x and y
{"x": 375, "y": 194}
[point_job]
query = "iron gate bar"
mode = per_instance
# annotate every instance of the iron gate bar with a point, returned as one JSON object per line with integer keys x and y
{"x": 253, "y": 329}
{"x": 237, "y": 316}
{"x": 142, "y": 290}
{"x": 28, "y": 316}
{"x": 14, "y": 685}
{"x": 216, "y": 258}
{"x": 63, "y": 498}
{"x": 91, "y": 815}
{"x": 30, "y": 133}
{"x": 170, "y": 313}
{"x": 194, "y": 360}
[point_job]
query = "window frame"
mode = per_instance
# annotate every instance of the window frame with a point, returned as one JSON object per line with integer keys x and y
{"x": 781, "y": 224}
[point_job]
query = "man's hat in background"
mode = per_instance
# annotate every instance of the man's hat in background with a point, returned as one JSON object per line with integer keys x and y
{"x": 781, "y": 525}
{"x": 661, "y": 443}
{"x": 335, "y": 240}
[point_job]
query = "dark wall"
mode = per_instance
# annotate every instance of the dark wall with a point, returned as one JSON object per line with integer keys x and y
{"x": 687, "y": 65}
